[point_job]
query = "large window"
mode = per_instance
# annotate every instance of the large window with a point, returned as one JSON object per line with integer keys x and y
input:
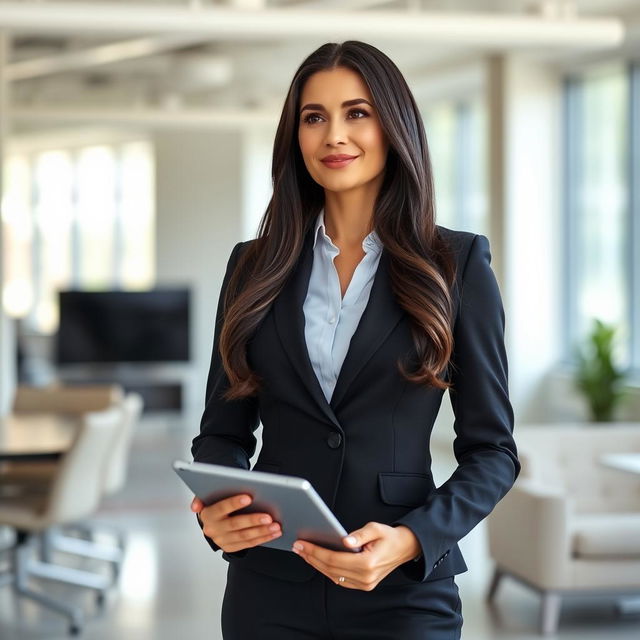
{"x": 79, "y": 217}
{"x": 456, "y": 132}
{"x": 601, "y": 242}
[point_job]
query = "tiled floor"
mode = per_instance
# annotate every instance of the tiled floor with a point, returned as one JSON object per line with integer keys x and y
{"x": 171, "y": 584}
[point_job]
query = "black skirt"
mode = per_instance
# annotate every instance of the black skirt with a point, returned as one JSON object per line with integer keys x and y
{"x": 257, "y": 606}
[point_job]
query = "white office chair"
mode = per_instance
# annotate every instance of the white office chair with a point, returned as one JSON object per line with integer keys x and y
{"x": 35, "y": 477}
{"x": 71, "y": 400}
{"x": 115, "y": 478}
{"x": 74, "y": 494}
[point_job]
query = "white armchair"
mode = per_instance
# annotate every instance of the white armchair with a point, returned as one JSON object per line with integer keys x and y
{"x": 569, "y": 525}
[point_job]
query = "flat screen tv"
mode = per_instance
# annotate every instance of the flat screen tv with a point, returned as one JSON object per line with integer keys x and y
{"x": 123, "y": 326}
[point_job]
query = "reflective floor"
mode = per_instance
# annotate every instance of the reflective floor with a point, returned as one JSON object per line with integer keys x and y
{"x": 172, "y": 583}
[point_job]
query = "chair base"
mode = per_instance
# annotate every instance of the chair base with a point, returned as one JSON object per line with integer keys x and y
{"x": 84, "y": 546}
{"x": 76, "y": 577}
{"x": 89, "y": 532}
{"x": 26, "y": 566}
{"x": 22, "y": 569}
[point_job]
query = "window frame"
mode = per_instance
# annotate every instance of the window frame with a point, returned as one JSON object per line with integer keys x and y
{"x": 463, "y": 110}
{"x": 573, "y": 118}
{"x": 634, "y": 213}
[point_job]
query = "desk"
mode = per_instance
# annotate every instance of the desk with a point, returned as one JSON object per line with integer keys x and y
{"x": 36, "y": 436}
{"x": 629, "y": 462}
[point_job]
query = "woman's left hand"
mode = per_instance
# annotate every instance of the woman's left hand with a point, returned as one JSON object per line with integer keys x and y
{"x": 383, "y": 549}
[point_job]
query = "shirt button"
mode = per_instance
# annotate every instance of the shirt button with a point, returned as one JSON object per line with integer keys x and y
{"x": 332, "y": 319}
{"x": 334, "y": 440}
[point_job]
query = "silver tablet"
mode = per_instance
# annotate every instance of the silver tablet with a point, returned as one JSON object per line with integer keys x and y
{"x": 290, "y": 500}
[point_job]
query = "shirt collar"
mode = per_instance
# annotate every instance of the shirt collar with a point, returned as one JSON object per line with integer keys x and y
{"x": 371, "y": 242}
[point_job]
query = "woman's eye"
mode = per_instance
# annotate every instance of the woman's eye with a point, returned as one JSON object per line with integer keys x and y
{"x": 309, "y": 119}
{"x": 362, "y": 111}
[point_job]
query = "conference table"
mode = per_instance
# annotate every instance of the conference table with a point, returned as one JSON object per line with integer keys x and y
{"x": 36, "y": 436}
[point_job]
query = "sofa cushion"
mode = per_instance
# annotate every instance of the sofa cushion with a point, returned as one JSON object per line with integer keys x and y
{"x": 606, "y": 535}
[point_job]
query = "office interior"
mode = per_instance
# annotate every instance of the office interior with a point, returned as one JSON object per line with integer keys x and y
{"x": 136, "y": 143}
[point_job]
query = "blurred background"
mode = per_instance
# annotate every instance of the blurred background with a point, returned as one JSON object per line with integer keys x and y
{"x": 135, "y": 146}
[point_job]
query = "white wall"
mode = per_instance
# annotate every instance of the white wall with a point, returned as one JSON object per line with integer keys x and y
{"x": 256, "y": 176}
{"x": 199, "y": 220}
{"x": 212, "y": 189}
{"x": 532, "y": 273}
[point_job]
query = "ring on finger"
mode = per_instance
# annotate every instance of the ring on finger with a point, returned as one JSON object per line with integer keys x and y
{"x": 341, "y": 579}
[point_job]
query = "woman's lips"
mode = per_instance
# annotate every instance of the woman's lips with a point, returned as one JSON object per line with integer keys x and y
{"x": 338, "y": 164}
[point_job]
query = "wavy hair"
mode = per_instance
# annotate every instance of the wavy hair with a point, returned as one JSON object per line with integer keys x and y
{"x": 421, "y": 266}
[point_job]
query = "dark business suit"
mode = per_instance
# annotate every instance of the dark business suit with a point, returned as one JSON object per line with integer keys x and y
{"x": 367, "y": 451}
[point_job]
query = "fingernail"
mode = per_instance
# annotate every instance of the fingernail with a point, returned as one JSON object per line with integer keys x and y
{"x": 351, "y": 540}
{"x": 297, "y": 546}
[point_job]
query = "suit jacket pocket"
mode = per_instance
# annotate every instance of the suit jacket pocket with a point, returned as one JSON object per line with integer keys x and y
{"x": 405, "y": 489}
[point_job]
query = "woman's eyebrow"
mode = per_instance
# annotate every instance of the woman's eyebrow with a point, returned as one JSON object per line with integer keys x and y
{"x": 346, "y": 103}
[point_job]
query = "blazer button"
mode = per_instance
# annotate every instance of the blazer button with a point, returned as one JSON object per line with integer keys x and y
{"x": 334, "y": 440}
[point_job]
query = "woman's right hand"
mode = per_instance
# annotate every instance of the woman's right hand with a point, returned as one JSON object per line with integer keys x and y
{"x": 234, "y": 533}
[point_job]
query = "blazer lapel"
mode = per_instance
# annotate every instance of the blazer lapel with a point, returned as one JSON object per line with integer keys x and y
{"x": 289, "y": 321}
{"x": 380, "y": 316}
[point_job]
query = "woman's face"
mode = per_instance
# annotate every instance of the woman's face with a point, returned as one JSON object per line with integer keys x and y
{"x": 330, "y": 127}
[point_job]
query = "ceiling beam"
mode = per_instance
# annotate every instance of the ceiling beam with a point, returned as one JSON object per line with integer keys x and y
{"x": 100, "y": 55}
{"x": 147, "y": 118}
{"x": 492, "y": 31}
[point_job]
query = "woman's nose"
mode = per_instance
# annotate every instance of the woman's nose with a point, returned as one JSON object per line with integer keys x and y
{"x": 336, "y": 133}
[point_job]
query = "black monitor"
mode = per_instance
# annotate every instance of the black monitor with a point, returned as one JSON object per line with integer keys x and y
{"x": 123, "y": 326}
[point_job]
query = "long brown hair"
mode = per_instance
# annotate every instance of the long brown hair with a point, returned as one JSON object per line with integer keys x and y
{"x": 421, "y": 266}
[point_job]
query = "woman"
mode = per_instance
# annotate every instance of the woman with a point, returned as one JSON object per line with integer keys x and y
{"x": 339, "y": 328}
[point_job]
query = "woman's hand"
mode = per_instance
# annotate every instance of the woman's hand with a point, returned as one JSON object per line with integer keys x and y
{"x": 233, "y": 533}
{"x": 383, "y": 549}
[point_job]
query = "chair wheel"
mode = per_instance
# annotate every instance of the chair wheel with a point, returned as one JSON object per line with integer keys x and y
{"x": 75, "y": 630}
{"x": 100, "y": 598}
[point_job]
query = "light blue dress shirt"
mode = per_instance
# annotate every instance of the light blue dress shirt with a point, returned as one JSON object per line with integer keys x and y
{"x": 330, "y": 320}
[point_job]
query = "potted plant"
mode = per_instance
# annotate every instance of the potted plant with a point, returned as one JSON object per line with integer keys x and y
{"x": 597, "y": 376}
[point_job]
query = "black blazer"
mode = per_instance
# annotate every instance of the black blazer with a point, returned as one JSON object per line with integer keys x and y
{"x": 367, "y": 452}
